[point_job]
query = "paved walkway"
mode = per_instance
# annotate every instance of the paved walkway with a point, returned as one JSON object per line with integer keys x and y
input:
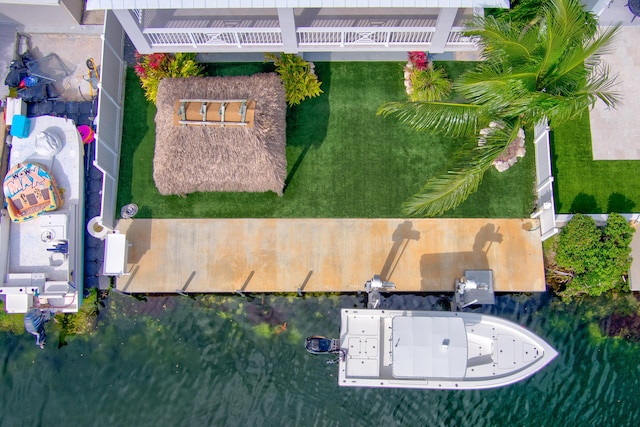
{"x": 615, "y": 133}
{"x": 324, "y": 255}
{"x": 73, "y": 50}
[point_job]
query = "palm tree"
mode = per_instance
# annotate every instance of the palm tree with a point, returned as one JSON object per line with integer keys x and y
{"x": 548, "y": 68}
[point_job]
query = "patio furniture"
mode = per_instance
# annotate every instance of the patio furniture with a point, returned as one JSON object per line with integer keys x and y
{"x": 634, "y": 7}
{"x": 49, "y": 68}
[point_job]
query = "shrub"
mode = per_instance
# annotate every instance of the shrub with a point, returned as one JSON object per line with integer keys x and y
{"x": 156, "y": 66}
{"x": 578, "y": 244}
{"x": 423, "y": 81}
{"x": 431, "y": 84}
{"x": 598, "y": 258}
{"x": 419, "y": 60}
{"x": 11, "y": 322}
{"x": 300, "y": 82}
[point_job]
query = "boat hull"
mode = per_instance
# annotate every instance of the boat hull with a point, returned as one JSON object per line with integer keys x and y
{"x": 436, "y": 350}
{"x": 41, "y": 261}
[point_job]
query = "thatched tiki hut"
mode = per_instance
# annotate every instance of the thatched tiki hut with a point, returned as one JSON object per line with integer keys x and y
{"x": 190, "y": 158}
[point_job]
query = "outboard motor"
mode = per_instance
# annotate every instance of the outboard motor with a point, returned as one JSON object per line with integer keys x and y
{"x": 34, "y": 321}
{"x": 321, "y": 345}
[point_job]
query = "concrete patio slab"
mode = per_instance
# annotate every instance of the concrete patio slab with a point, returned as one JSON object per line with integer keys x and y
{"x": 615, "y": 133}
{"x": 73, "y": 50}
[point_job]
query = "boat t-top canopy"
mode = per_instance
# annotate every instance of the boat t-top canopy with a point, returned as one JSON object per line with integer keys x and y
{"x": 429, "y": 347}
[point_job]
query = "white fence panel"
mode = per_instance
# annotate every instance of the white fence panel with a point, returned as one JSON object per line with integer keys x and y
{"x": 111, "y": 68}
{"x": 546, "y": 208}
{"x": 109, "y": 116}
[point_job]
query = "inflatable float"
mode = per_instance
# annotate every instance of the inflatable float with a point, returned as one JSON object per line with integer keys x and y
{"x": 30, "y": 190}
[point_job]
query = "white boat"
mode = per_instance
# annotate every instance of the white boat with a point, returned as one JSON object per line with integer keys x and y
{"x": 435, "y": 350}
{"x": 41, "y": 258}
{"x": 430, "y": 349}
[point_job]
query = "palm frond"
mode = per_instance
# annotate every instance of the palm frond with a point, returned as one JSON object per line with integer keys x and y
{"x": 600, "y": 85}
{"x": 563, "y": 29}
{"x": 588, "y": 55}
{"x": 561, "y": 108}
{"x": 558, "y": 109}
{"x": 442, "y": 193}
{"x": 447, "y": 118}
{"x": 447, "y": 190}
{"x": 490, "y": 85}
{"x": 501, "y": 39}
{"x": 566, "y": 20}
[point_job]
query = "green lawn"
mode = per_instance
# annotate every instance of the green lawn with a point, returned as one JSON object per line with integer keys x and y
{"x": 584, "y": 185}
{"x": 343, "y": 160}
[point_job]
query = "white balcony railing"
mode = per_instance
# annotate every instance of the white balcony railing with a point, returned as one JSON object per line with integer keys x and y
{"x": 203, "y": 37}
{"x": 378, "y": 36}
{"x": 308, "y": 38}
{"x": 457, "y": 37}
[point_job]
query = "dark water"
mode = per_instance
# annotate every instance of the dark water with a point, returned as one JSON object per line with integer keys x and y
{"x": 227, "y": 360}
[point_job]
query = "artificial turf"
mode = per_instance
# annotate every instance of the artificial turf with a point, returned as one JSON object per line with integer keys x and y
{"x": 584, "y": 185}
{"x": 343, "y": 159}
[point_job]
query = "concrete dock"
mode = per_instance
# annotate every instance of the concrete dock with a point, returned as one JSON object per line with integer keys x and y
{"x": 327, "y": 255}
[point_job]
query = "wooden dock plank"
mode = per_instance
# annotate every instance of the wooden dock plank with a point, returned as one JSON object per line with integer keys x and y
{"x": 328, "y": 255}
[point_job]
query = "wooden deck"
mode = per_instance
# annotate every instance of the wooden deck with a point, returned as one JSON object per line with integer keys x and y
{"x": 327, "y": 255}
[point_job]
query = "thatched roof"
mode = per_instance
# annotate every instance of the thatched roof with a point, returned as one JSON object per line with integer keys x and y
{"x": 210, "y": 158}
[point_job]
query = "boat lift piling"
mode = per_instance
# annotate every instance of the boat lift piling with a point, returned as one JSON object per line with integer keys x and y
{"x": 372, "y": 287}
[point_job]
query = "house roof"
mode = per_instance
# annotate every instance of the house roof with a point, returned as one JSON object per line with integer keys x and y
{"x": 192, "y": 159}
{"x": 242, "y": 4}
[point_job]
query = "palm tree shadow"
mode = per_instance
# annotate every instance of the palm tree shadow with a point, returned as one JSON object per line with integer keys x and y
{"x": 436, "y": 267}
{"x": 307, "y": 122}
{"x": 620, "y": 203}
{"x": 401, "y": 237}
{"x": 585, "y": 204}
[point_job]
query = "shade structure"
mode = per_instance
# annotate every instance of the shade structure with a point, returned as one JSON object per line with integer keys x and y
{"x": 209, "y": 158}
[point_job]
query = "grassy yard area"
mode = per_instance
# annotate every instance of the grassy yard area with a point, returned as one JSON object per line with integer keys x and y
{"x": 583, "y": 185}
{"x": 343, "y": 160}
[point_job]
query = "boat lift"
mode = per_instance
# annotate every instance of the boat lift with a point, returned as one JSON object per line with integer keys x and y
{"x": 372, "y": 288}
{"x": 475, "y": 287}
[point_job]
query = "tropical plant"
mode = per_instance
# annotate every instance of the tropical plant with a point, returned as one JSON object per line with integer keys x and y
{"x": 419, "y": 60}
{"x": 596, "y": 260}
{"x": 527, "y": 11}
{"x": 423, "y": 81}
{"x": 300, "y": 82}
{"x": 430, "y": 84}
{"x": 550, "y": 68}
{"x": 154, "y": 67}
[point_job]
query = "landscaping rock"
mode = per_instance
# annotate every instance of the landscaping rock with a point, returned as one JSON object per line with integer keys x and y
{"x": 511, "y": 154}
